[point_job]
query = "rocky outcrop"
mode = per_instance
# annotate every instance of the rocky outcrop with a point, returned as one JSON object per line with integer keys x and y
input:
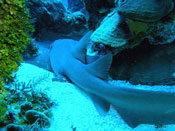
{"x": 14, "y": 127}
{"x": 163, "y": 32}
{"x": 25, "y": 107}
{"x": 144, "y": 45}
{"x": 113, "y": 31}
{"x": 75, "y": 5}
{"x": 97, "y": 10}
{"x": 32, "y": 116}
{"x": 145, "y": 10}
{"x": 52, "y": 21}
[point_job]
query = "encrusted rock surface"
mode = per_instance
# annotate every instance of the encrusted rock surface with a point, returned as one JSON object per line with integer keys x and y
{"x": 97, "y": 10}
{"x": 145, "y": 10}
{"x": 14, "y": 127}
{"x": 25, "y": 107}
{"x": 147, "y": 55}
{"x": 163, "y": 32}
{"x": 113, "y": 31}
{"x": 75, "y": 5}
{"x": 33, "y": 116}
{"x": 52, "y": 21}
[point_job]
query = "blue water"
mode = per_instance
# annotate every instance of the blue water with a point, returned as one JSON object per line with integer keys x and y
{"x": 65, "y": 2}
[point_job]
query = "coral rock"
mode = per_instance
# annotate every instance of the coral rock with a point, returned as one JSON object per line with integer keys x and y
{"x": 145, "y": 10}
{"x": 52, "y": 21}
{"x": 75, "y": 5}
{"x": 33, "y": 116}
{"x": 163, "y": 32}
{"x": 13, "y": 127}
{"x": 26, "y": 106}
{"x": 113, "y": 31}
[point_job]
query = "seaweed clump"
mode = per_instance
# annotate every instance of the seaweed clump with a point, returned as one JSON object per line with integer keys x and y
{"x": 25, "y": 106}
{"x": 15, "y": 26}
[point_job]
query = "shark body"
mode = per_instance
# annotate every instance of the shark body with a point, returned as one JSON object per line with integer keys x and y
{"x": 133, "y": 105}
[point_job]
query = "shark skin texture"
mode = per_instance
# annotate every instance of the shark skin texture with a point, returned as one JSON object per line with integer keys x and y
{"x": 133, "y": 105}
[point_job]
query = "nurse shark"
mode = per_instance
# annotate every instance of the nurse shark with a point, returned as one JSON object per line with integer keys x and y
{"x": 135, "y": 106}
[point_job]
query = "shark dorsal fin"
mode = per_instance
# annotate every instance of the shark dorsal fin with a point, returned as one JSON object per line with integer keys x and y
{"x": 101, "y": 105}
{"x": 100, "y": 67}
{"x": 79, "y": 52}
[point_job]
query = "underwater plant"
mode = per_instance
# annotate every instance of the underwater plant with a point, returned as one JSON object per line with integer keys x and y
{"x": 15, "y": 26}
{"x": 30, "y": 50}
{"x": 18, "y": 97}
{"x": 3, "y": 109}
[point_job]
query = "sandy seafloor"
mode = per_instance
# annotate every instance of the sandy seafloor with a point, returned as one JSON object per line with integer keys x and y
{"x": 74, "y": 108}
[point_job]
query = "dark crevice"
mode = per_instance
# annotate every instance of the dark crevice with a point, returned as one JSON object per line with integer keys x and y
{"x": 145, "y": 64}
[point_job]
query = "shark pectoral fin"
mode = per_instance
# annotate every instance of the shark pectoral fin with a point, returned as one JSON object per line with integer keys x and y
{"x": 91, "y": 59}
{"x": 101, "y": 105}
{"x": 130, "y": 117}
{"x": 79, "y": 52}
{"x": 100, "y": 67}
{"x": 59, "y": 78}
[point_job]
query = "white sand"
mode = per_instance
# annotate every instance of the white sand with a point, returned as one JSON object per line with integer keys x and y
{"x": 75, "y": 109}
